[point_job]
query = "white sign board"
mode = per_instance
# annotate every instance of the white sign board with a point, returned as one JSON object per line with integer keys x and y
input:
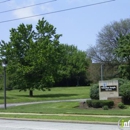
{"x": 108, "y": 88}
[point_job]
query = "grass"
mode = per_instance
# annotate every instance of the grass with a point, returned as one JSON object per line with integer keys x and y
{"x": 64, "y": 111}
{"x": 70, "y": 118}
{"x": 67, "y": 110}
{"x": 57, "y": 93}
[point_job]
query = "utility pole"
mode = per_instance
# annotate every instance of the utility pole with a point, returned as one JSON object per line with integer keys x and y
{"x": 101, "y": 71}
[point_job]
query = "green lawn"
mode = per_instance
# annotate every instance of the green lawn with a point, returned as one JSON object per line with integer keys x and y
{"x": 67, "y": 118}
{"x": 67, "y": 111}
{"x": 65, "y": 108}
{"x": 55, "y": 94}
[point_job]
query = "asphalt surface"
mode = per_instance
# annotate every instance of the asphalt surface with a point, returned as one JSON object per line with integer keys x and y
{"x": 39, "y": 125}
{"x": 27, "y": 103}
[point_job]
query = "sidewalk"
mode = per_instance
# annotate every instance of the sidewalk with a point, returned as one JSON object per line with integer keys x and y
{"x": 61, "y": 121}
{"x": 6, "y": 113}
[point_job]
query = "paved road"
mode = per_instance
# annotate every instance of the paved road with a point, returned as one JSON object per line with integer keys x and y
{"x": 38, "y": 125}
{"x": 27, "y": 103}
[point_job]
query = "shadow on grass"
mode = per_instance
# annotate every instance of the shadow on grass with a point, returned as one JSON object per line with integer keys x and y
{"x": 49, "y": 95}
{"x": 6, "y": 97}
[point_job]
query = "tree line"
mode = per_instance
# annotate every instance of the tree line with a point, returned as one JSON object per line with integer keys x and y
{"x": 37, "y": 60}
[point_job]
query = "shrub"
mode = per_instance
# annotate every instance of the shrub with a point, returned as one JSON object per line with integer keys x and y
{"x": 89, "y": 103}
{"x": 121, "y": 105}
{"x": 96, "y": 103}
{"x": 100, "y": 103}
{"x": 121, "y": 81}
{"x": 124, "y": 91}
{"x": 108, "y": 103}
{"x": 94, "y": 92}
{"x": 105, "y": 107}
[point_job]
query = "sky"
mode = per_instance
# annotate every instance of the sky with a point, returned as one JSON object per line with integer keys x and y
{"x": 78, "y": 27}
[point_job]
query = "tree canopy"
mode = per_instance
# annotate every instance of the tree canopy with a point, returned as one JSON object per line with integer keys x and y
{"x": 73, "y": 66}
{"x": 123, "y": 51}
{"x": 32, "y": 56}
{"x": 107, "y": 41}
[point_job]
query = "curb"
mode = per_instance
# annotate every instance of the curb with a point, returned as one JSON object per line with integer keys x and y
{"x": 61, "y": 121}
{"x": 12, "y": 113}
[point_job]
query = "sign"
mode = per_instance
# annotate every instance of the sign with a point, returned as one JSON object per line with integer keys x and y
{"x": 108, "y": 88}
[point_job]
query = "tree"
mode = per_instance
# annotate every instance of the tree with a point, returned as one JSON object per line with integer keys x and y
{"x": 103, "y": 51}
{"x": 73, "y": 65}
{"x": 16, "y": 53}
{"x": 107, "y": 41}
{"x": 32, "y": 56}
{"x": 123, "y": 51}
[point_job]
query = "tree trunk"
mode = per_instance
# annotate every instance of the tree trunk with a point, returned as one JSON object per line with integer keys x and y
{"x": 78, "y": 78}
{"x": 67, "y": 82}
{"x": 77, "y": 82}
{"x": 31, "y": 93}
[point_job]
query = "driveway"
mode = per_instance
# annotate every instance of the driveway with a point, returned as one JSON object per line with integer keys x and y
{"x": 52, "y": 101}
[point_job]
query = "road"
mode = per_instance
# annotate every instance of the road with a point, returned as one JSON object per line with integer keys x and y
{"x": 39, "y": 125}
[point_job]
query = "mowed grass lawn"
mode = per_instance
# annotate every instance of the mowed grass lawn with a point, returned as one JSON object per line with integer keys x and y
{"x": 65, "y": 108}
{"x": 64, "y": 111}
{"x": 57, "y": 93}
{"x": 58, "y": 110}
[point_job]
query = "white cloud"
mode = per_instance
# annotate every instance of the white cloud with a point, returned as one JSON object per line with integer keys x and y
{"x": 46, "y": 7}
{"x": 24, "y": 13}
{"x": 31, "y": 11}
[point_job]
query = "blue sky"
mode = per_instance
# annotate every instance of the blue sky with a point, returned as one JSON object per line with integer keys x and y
{"x": 78, "y": 27}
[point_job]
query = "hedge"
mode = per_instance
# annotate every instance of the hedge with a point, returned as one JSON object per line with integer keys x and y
{"x": 100, "y": 103}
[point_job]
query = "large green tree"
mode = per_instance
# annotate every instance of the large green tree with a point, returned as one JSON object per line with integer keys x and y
{"x": 32, "y": 56}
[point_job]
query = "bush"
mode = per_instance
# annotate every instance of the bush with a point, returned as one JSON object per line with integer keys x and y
{"x": 94, "y": 92}
{"x": 100, "y": 103}
{"x": 108, "y": 103}
{"x": 89, "y": 103}
{"x": 121, "y": 105}
{"x": 121, "y": 81}
{"x": 96, "y": 103}
{"x": 124, "y": 91}
{"x": 105, "y": 107}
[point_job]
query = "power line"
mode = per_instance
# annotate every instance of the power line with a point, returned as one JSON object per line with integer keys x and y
{"x": 57, "y": 11}
{"x": 4, "y": 1}
{"x": 27, "y": 6}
